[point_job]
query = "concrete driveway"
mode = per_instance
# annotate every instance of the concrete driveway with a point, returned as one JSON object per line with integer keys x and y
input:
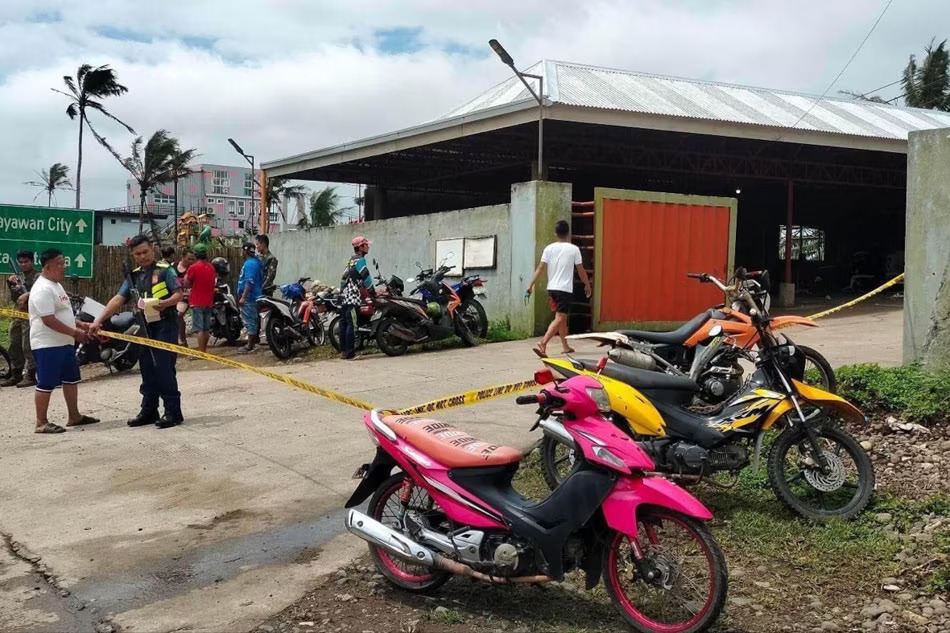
{"x": 217, "y": 524}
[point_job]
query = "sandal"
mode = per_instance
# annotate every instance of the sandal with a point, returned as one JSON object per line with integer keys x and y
{"x": 569, "y": 350}
{"x": 84, "y": 420}
{"x": 537, "y": 350}
{"x": 49, "y": 427}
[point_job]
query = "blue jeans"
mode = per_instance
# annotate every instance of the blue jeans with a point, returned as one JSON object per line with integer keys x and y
{"x": 251, "y": 317}
{"x": 348, "y": 331}
{"x": 159, "y": 377}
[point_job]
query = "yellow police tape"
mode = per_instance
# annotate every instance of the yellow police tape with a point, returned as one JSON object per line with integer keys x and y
{"x": 450, "y": 402}
{"x": 843, "y": 306}
{"x": 469, "y": 398}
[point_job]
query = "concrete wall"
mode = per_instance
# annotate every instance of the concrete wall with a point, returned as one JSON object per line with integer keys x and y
{"x": 522, "y": 229}
{"x": 398, "y": 243}
{"x": 115, "y": 230}
{"x": 927, "y": 250}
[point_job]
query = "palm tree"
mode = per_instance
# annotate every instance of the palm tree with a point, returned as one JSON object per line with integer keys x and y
{"x": 90, "y": 85}
{"x": 325, "y": 207}
{"x": 56, "y": 178}
{"x": 278, "y": 188}
{"x": 162, "y": 161}
{"x": 928, "y": 85}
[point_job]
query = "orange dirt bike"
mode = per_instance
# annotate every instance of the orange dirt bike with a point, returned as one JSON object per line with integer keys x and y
{"x": 708, "y": 349}
{"x": 815, "y": 467}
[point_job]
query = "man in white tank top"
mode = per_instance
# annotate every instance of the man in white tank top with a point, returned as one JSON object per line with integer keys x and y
{"x": 561, "y": 259}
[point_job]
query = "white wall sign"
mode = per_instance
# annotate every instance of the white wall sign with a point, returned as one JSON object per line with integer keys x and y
{"x": 450, "y": 253}
{"x": 479, "y": 252}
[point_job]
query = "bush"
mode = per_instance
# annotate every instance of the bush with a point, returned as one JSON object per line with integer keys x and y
{"x": 908, "y": 392}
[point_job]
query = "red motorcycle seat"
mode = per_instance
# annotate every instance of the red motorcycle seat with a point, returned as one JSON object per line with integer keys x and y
{"x": 449, "y": 445}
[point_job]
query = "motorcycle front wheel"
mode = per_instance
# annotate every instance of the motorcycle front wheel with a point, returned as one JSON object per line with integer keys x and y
{"x": 818, "y": 371}
{"x": 232, "y": 331}
{"x": 279, "y": 339}
{"x": 679, "y": 584}
{"x": 333, "y": 333}
{"x": 316, "y": 333}
{"x": 387, "y": 341}
{"x": 558, "y": 460}
{"x": 843, "y": 491}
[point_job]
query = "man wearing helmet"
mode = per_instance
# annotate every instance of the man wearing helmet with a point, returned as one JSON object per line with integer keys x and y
{"x": 356, "y": 280}
{"x": 200, "y": 278}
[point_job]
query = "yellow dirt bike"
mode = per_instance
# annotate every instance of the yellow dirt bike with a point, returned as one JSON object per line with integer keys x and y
{"x": 816, "y": 468}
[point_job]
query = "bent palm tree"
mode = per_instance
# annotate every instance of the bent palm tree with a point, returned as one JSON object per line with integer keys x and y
{"x": 277, "y": 189}
{"x": 90, "y": 85}
{"x": 325, "y": 207}
{"x": 56, "y": 178}
{"x": 162, "y": 161}
{"x": 928, "y": 85}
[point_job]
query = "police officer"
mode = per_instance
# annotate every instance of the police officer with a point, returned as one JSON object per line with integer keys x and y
{"x": 159, "y": 293}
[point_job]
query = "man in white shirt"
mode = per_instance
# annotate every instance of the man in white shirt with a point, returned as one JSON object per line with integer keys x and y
{"x": 561, "y": 259}
{"x": 53, "y": 330}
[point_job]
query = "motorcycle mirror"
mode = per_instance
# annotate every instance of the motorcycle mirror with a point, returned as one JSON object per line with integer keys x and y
{"x": 715, "y": 331}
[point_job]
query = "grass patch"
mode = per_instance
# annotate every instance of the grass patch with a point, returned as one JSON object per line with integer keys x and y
{"x": 908, "y": 392}
{"x": 5, "y": 332}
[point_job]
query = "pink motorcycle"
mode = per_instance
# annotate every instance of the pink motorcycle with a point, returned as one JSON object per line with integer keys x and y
{"x": 451, "y": 510}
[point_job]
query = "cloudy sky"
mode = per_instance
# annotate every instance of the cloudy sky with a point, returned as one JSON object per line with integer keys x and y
{"x": 287, "y": 76}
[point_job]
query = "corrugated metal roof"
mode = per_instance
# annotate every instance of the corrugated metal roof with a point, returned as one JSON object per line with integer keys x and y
{"x": 605, "y": 88}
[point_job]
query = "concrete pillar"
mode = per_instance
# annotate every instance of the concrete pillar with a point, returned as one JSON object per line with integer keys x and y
{"x": 926, "y": 250}
{"x": 786, "y": 290}
{"x": 535, "y": 208}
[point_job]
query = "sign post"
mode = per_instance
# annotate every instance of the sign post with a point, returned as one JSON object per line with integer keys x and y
{"x": 39, "y": 228}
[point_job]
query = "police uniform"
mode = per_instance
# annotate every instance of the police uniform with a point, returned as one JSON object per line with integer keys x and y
{"x": 159, "y": 378}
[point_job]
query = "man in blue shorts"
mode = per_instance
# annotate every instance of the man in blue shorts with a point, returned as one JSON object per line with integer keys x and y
{"x": 53, "y": 330}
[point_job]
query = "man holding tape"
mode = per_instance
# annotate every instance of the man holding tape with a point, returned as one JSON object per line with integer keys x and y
{"x": 156, "y": 286}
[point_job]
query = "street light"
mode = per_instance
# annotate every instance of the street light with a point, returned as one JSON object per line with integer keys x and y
{"x": 538, "y": 96}
{"x": 249, "y": 159}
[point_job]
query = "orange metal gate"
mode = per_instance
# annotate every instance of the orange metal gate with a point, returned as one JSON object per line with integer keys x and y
{"x": 646, "y": 242}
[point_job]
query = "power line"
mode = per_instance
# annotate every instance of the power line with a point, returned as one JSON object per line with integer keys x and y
{"x": 838, "y": 76}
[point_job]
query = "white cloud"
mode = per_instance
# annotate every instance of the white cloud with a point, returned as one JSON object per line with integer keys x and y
{"x": 288, "y": 76}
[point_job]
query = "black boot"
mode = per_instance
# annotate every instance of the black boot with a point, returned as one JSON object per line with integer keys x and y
{"x": 143, "y": 419}
{"x": 168, "y": 421}
{"x": 12, "y": 380}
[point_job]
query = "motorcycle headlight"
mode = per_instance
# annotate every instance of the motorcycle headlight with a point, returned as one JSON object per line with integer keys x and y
{"x": 599, "y": 396}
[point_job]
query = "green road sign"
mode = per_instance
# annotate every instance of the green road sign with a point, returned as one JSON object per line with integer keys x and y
{"x": 39, "y": 228}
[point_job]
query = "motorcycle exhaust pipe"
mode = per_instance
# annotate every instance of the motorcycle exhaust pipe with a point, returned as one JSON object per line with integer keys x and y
{"x": 403, "y": 333}
{"x": 632, "y": 358}
{"x": 404, "y": 548}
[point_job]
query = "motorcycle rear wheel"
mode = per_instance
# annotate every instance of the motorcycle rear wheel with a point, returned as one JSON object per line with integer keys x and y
{"x": 843, "y": 492}
{"x": 316, "y": 333}
{"x": 278, "y": 340}
{"x": 463, "y": 331}
{"x": 129, "y": 359}
{"x": 824, "y": 375}
{"x": 474, "y": 313}
{"x": 677, "y": 548}
{"x": 333, "y": 333}
{"x": 385, "y": 507}
{"x": 390, "y": 344}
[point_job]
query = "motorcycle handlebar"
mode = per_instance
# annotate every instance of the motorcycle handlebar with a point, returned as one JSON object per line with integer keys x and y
{"x": 531, "y": 399}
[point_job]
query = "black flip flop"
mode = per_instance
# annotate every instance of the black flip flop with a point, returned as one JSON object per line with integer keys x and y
{"x": 50, "y": 428}
{"x": 84, "y": 420}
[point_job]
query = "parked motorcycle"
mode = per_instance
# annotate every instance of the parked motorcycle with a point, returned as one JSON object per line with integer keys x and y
{"x": 409, "y": 321}
{"x": 815, "y": 467}
{"x": 291, "y": 320}
{"x": 469, "y": 289}
{"x": 451, "y": 510}
{"x": 116, "y": 355}
{"x": 708, "y": 349}
{"x": 225, "y": 314}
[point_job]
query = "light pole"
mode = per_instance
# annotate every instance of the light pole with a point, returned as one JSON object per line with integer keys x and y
{"x": 538, "y": 96}
{"x": 249, "y": 159}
